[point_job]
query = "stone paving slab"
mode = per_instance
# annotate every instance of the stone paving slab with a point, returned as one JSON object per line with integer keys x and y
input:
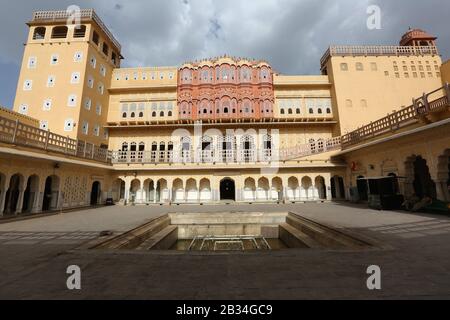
{"x": 418, "y": 266}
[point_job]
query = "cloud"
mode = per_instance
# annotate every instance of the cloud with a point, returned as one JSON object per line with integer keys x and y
{"x": 290, "y": 34}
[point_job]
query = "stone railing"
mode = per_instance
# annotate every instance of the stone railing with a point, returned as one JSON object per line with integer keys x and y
{"x": 195, "y": 157}
{"x": 58, "y": 15}
{"x": 311, "y": 149}
{"x": 377, "y": 51}
{"x": 17, "y": 133}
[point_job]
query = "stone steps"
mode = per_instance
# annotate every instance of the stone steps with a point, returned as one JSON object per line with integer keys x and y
{"x": 294, "y": 238}
{"x": 163, "y": 240}
{"x": 326, "y": 236}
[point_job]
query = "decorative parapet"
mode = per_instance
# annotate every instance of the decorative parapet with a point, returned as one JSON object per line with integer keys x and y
{"x": 366, "y": 51}
{"x": 12, "y": 115}
{"x": 17, "y": 133}
{"x": 63, "y": 15}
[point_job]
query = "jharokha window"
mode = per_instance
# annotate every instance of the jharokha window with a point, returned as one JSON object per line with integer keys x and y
{"x": 59, "y": 32}
{"x": 39, "y": 33}
{"x": 80, "y": 32}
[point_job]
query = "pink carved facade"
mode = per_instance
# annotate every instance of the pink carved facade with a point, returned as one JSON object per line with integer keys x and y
{"x": 225, "y": 89}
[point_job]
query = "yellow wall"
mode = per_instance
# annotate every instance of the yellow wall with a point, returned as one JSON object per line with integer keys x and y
{"x": 56, "y": 116}
{"x": 382, "y": 93}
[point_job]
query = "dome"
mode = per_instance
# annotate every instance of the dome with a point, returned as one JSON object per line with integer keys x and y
{"x": 417, "y": 37}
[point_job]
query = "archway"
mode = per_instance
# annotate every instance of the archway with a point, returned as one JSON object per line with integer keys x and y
{"x": 135, "y": 187}
{"x": 118, "y": 190}
{"x": 276, "y": 192}
{"x": 178, "y": 190}
{"x": 227, "y": 189}
{"x": 337, "y": 187}
{"x": 306, "y": 189}
{"x": 51, "y": 191}
{"x": 30, "y": 194}
{"x": 162, "y": 191}
{"x": 95, "y": 193}
{"x": 13, "y": 193}
{"x": 150, "y": 191}
{"x": 2, "y": 190}
{"x": 320, "y": 190}
{"x": 191, "y": 191}
{"x": 363, "y": 189}
{"x": 205, "y": 190}
{"x": 423, "y": 184}
{"x": 262, "y": 192}
{"x": 293, "y": 192}
{"x": 249, "y": 189}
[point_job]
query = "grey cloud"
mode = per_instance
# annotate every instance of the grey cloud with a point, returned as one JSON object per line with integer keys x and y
{"x": 290, "y": 34}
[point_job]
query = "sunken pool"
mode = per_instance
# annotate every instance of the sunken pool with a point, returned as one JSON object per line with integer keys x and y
{"x": 232, "y": 232}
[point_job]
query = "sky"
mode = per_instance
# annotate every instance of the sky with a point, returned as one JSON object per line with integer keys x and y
{"x": 291, "y": 35}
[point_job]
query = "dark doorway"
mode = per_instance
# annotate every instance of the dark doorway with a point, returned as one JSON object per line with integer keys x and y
{"x": 333, "y": 189}
{"x": 95, "y": 193}
{"x": 227, "y": 190}
{"x": 362, "y": 188}
{"x": 341, "y": 187}
{"x": 12, "y": 195}
{"x": 30, "y": 194}
{"x": 423, "y": 184}
{"x": 47, "y": 194}
{"x": 448, "y": 181}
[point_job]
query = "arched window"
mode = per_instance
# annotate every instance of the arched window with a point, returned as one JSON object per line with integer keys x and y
{"x": 245, "y": 74}
{"x": 133, "y": 115}
{"x": 185, "y": 143}
{"x": 187, "y": 76}
{"x": 225, "y": 74}
{"x": 267, "y": 142}
{"x": 124, "y": 115}
{"x": 161, "y": 114}
{"x": 141, "y": 114}
{"x": 225, "y": 110}
{"x": 319, "y": 111}
{"x": 298, "y": 111}
{"x": 311, "y": 110}
{"x": 59, "y": 32}
{"x": 329, "y": 110}
{"x": 141, "y": 146}
{"x": 133, "y": 147}
{"x": 80, "y": 32}
{"x": 124, "y": 146}
{"x": 264, "y": 74}
{"x": 169, "y": 114}
{"x": 39, "y": 33}
{"x": 290, "y": 111}
{"x": 282, "y": 111}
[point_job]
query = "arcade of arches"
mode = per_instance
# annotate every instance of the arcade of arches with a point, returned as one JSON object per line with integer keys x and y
{"x": 35, "y": 185}
{"x": 240, "y": 188}
{"x": 422, "y": 163}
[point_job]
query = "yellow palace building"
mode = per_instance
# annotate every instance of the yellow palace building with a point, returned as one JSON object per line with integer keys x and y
{"x": 84, "y": 130}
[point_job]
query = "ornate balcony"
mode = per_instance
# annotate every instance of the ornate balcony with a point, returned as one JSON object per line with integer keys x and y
{"x": 15, "y": 132}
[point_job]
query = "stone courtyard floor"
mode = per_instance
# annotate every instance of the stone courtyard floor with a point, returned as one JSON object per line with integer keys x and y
{"x": 35, "y": 253}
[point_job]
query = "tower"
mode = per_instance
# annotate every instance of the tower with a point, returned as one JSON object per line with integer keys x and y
{"x": 417, "y": 38}
{"x": 65, "y": 74}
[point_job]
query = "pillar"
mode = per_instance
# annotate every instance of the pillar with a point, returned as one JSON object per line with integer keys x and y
{"x": 328, "y": 190}
{"x": 36, "y": 206}
{"x": 127, "y": 191}
{"x": 2, "y": 201}
{"x": 19, "y": 205}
